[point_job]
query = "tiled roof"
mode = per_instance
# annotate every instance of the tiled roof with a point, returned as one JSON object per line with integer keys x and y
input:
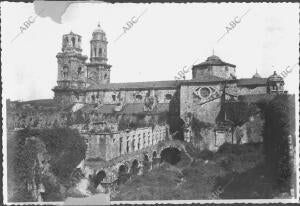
{"x": 214, "y": 61}
{"x": 136, "y": 85}
{"x": 172, "y": 84}
{"x": 205, "y": 79}
{"x": 252, "y": 81}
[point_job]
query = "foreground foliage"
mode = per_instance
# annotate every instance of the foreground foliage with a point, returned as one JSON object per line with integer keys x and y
{"x": 193, "y": 180}
{"x": 46, "y": 156}
{"x": 279, "y": 137}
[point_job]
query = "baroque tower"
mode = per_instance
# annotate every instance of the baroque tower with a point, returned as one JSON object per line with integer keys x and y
{"x": 71, "y": 77}
{"x": 98, "y": 71}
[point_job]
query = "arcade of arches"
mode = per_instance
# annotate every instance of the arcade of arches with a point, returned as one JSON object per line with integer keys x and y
{"x": 137, "y": 166}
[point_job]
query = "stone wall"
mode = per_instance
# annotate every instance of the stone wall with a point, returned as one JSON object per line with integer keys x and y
{"x": 128, "y": 96}
{"x": 205, "y": 110}
{"x": 96, "y": 146}
{"x": 124, "y": 142}
{"x": 252, "y": 90}
{"x": 219, "y": 71}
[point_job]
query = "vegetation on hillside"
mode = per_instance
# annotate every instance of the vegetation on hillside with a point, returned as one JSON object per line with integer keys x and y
{"x": 278, "y": 134}
{"x": 235, "y": 171}
{"x": 59, "y": 150}
{"x": 199, "y": 179}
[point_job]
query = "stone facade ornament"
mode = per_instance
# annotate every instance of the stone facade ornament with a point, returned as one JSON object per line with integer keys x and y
{"x": 206, "y": 93}
{"x": 150, "y": 103}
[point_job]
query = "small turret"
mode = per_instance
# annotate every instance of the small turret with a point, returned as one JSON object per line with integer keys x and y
{"x": 275, "y": 84}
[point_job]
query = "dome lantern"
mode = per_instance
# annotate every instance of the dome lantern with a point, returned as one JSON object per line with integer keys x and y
{"x": 275, "y": 83}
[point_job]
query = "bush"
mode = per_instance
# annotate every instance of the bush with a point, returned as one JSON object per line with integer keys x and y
{"x": 227, "y": 161}
{"x": 236, "y": 149}
{"x": 279, "y": 124}
{"x": 206, "y": 155}
{"x": 65, "y": 147}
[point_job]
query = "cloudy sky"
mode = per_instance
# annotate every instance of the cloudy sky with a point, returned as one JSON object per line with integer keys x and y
{"x": 165, "y": 39}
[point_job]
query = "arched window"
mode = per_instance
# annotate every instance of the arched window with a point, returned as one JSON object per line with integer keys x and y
{"x": 95, "y": 52}
{"x": 66, "y": 40}
{"x": 79, "y": 70}
{"x": 127, "y": 147}
{"x": 93, "y": 98}
{"x": 77, "y": 96}
{"x": 133, "y": 145}
{"x": 73, "y": 41}
{"x": 105, "y": 76}
{"x": 100, "y": 52}
{"x": 65, "y": 71}
{"x": 139, "y": 143}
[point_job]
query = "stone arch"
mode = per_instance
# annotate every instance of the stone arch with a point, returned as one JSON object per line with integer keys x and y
{"x": 154, "y": 155}
{"x": 134, "y": 169}
{"x": 73, "y": 41}
{"x": 155, "y": 158}
{"x": 146, "y": 163}
{"x": 170, "y": 154}
{"x": 98, "y": 178}
{"x": 122, "y": 173}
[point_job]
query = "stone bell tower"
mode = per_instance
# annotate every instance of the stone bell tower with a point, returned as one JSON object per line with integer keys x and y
{"x": 71, "y": 76}
{"x": 98, "y": 71}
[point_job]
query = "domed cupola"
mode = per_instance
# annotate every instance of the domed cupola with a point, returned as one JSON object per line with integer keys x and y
{"x": 98, "y": 46}
{"x": 213, "y": 67}
{"x": 256, "y": 75}
{"x": 213, "y": 59}
{"x": 275, "y": 83}
{"x": 99, "y": 34}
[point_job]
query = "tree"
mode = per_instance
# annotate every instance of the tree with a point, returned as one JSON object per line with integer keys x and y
{"x": 236, "y": 113}
{"x": 65, "y": 147}
{"x": 173, "y": 118}
{"x": 279, "y": 125}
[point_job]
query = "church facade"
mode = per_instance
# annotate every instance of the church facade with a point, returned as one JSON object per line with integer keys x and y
{"x": 120, "y": 120}
{"x": 89, "y": 83}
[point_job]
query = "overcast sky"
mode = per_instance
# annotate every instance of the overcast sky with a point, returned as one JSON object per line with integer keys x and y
{"x": 165, "y": 39}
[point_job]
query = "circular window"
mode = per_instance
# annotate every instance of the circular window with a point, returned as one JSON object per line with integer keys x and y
{"x": 168, "y": 96}
{"x": 204, "y": 92}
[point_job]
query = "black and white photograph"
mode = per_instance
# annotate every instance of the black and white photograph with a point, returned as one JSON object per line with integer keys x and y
{"x": 149, "y": 103}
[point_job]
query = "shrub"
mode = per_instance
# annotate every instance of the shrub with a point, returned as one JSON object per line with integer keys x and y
{"x": 206, "y": 154}
{"x": 279, "y": 124}
{"x": 65, "y": 147}
{"x": 227, "y": 161}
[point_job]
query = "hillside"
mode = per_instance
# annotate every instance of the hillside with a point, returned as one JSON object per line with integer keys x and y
{"x": 235, "y": 171}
